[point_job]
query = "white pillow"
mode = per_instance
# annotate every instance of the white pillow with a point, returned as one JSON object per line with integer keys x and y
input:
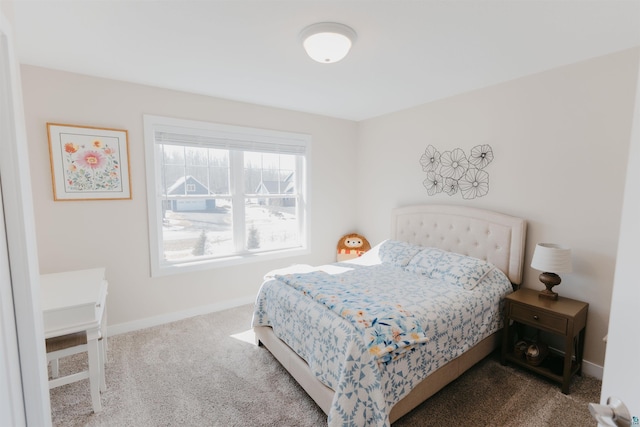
{"x": 398, "y": 253}
{"x": 452, "y": 268}
{"x": 426, "y": 261}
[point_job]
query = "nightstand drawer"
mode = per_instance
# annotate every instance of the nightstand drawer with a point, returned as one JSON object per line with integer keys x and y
{"x": 520, "y": 313}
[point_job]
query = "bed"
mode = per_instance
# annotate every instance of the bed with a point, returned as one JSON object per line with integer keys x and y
{"x": 356, "y": 375}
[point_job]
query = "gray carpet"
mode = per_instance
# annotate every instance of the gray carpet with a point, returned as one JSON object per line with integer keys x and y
{"x": 194, "y": 373}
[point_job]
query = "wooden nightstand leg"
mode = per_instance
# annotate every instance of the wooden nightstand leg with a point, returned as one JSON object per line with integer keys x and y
{"x": 568, "y": 356}
{"x": 506, "y": 339}
{"x": 580, "y": 350}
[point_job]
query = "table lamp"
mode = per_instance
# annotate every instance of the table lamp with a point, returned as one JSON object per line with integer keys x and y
{"x": 551, "y": 259}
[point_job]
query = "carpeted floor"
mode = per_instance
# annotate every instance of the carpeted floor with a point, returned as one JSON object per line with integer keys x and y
{"x": 205, "y": 371}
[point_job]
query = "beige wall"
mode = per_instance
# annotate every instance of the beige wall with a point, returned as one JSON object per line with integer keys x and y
{"x": 560, "y": 140}
{"x": 114, "y": 234}
{"x": 6, "y": 8}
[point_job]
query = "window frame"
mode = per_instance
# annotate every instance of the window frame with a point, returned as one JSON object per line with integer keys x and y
{"x": 234, "y": 136}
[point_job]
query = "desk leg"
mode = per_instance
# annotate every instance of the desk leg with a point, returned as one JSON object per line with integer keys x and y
{"x": 103, "y": 350}
{"x": 102, "y": 356}
{"x": 94, "y": 372}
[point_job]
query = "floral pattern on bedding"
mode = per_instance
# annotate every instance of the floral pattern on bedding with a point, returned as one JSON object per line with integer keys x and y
{"x": 398, "y": 253}
{"x": 453, "y": 318}
{"x": 389, "y": 330}
{"x": 453, "y": 268}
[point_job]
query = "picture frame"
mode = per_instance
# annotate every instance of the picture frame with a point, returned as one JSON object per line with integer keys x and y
{"x": 89, "y": 163}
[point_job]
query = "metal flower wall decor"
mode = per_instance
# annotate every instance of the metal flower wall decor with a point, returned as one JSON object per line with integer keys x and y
{"x": 451, "y": 171}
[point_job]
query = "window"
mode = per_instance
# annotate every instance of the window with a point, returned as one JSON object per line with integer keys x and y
{"x": 219, "y": 194}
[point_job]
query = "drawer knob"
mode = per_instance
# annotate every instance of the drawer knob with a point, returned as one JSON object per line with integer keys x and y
{"x": 535, "y": 317}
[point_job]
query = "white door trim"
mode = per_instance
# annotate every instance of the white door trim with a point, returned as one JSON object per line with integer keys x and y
{"x": 621, "y": 368}
{"x": 21, "y": 237}
{"x": 12, "y": 411}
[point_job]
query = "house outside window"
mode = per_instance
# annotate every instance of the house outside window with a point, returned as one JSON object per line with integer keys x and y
{"x": 220, "y": 195}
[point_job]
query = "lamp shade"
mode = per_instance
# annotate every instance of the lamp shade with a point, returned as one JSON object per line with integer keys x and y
{"x": 551, "y": 258}
{"x": 327, "y": 42}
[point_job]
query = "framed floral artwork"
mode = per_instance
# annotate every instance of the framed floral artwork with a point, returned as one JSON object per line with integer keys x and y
{"x": 89, "y": 163}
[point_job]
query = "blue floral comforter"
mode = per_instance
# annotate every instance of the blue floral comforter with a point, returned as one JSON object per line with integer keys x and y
{"x": 388, "y": 328}
{"x": 448, "y": 320}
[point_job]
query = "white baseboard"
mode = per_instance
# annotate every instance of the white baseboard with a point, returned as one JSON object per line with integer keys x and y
{"x": 592, "y": 369}
{"x": 148, "y": 322}
{"x": 588, "y": 368}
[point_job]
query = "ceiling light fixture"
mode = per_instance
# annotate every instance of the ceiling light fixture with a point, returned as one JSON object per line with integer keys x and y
{"x": 327, "y": 42}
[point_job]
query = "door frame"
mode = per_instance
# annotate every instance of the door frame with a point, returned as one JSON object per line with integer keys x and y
{"x": 12, "y": 411}
{"x": 21, "y": 243}
{"x": 621, "y": 368}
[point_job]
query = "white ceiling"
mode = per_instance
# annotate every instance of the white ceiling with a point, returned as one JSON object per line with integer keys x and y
{"x": 407, "y": 53}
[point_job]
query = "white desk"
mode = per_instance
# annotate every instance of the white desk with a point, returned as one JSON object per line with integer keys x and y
{"x": 72, "y": 302}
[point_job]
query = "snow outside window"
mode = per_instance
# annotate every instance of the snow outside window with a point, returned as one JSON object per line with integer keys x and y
{"x": 221, "y": 195}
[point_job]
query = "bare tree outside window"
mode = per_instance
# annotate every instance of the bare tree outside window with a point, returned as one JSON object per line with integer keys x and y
{"x": 225, "y": 192}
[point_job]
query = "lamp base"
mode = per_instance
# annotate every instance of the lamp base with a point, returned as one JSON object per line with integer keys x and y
{"x": 549, "y": 280}
{"x": 548, "y": 294}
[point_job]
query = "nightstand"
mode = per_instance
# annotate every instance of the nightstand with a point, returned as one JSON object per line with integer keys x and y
{"x": 565, "y": 317}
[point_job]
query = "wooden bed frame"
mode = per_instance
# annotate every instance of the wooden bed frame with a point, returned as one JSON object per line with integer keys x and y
{"x": 479, "y": 233}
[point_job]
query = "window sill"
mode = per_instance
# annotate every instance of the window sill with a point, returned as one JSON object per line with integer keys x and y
{"x": 210, "y": 264}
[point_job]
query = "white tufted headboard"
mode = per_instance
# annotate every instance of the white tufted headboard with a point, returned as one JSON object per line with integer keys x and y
{"x": 487, "y": 235}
